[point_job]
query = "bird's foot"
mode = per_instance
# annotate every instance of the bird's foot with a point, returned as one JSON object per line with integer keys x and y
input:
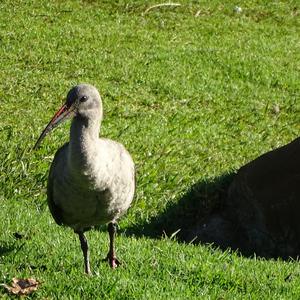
{"x": 112, "y": 260}
{"x": 87, "y": 270}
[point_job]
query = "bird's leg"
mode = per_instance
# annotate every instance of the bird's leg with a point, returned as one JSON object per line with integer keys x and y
{"x": 111, "y": 256}
{"x": 85, "y": 250}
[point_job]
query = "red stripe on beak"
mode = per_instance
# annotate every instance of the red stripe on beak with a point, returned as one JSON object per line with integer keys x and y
{"x": 58, "y": 118}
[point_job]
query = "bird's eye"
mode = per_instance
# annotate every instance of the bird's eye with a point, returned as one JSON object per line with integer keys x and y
{"x": 83, "y": 98}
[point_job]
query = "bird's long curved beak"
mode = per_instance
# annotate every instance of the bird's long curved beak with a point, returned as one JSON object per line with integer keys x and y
{"x": 61, "y": 115}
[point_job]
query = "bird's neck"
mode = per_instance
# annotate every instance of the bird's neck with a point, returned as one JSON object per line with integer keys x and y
{"x": 84, "y": 135}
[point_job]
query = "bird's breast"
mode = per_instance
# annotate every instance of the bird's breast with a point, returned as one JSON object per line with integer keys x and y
{"x": 95, "y": 186}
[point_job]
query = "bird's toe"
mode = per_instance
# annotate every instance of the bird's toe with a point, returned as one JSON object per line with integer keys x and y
{"x": 112, "y": 261}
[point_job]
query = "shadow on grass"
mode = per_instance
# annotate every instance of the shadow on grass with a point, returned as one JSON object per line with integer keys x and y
{"x": 203, "y": 216}
{"x": 200, "y": 216}
{"x": 5, "y": 248}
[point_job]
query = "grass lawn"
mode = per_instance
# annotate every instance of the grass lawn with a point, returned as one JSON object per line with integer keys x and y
{"x": 193, "y": 92}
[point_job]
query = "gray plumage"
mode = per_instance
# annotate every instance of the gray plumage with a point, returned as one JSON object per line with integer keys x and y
{"x": 91, "y": 180}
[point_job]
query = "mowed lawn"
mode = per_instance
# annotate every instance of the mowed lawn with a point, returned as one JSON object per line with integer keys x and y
{"x": 193, "y": 92}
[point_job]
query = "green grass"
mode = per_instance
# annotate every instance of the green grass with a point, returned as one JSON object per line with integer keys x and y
{"x": 192, "y": 98}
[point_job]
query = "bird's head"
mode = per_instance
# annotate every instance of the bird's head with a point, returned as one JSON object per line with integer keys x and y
{"x": 82, "y": 101}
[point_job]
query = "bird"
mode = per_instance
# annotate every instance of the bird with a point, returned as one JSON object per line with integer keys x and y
{"x": 91, "y": 179}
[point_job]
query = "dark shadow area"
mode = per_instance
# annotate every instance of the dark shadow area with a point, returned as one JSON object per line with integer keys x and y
{"x": 255, "y": 211}
{"x": 200, "y": 216}
{"x": 5, "y": 248}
